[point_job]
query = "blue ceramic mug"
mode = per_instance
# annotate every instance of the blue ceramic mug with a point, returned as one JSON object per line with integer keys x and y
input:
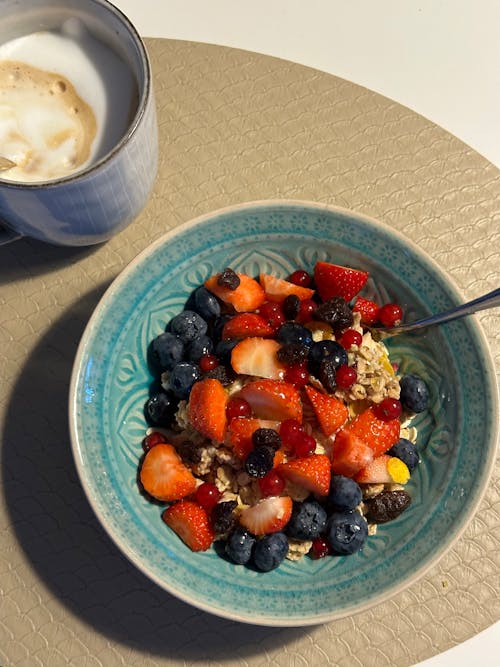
{"x": 99, "y": 199}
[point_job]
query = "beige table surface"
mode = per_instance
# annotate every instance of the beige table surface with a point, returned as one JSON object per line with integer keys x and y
{"x": 234, "y": 127}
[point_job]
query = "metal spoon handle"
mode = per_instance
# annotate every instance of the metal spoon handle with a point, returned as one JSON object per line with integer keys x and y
{"x": 490, "y": 300}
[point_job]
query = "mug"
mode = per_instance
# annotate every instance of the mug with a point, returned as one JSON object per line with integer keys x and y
{"x": 99, "y": 199}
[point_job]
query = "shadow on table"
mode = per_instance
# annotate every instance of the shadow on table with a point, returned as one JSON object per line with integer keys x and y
{"x": 65, "y": 543}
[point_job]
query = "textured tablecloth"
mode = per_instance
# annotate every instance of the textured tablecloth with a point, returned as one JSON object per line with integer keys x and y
{"x": 234, "y": 127}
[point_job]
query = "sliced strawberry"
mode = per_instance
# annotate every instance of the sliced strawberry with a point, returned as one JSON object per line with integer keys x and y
{"x": 164, "y": 476}
{"x": 277, "y": 289}
{"x": 349, "y": 454}
{"x": 384, "y": 469}
{"x": 334, "y": 280}
{"x": 379, "y": 434}
{"x": 367, "y": 309}
{"x": 244, "y": 325}
{"x": 257, "y": 356}
{"x": 331, "y": 413}
{"x": 240, "y": 430}
{"x": 268, "y": 515}
{"x": 191, "y": 523}
{"x": 248, "y": 296}
{"x": 312, "y": 473}
{"x": 207, "y": 408}
{"x": 273, "y": 399}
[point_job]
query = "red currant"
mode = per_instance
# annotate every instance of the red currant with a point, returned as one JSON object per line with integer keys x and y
{"x": 306, "y": 310}
{"x": 390, "y": 314}
{"x": 319, "y": 548}
{"x": 237, "y": 407}
{"x": 152, "y": 439}
{"x": 345, "y": 376}
{"x": 272, "y": 484}
{"x": 305, "y": 445}
{"x": 297, "y": 375}
{"x": 208, "y": 362}
{"x": 300, "y": 277}
{"x": 207, "y": 495}
{"x": 273, "y": 313}
{"x": 349, "y": 338}
{"x": 388, "y": 408}
{"x": 290, "y": 431}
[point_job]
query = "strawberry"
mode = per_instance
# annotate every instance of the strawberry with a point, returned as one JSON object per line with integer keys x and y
{"x": 379, "y": 434}
{"x": 207, "y": 408}
{"x": 273, "y": 399}
{"x": 349, "y": 454}
{"x": 331, "y": 413}
{"x": 240, "y": 430}
{"x": 367, "y": 309}
{"x": 384, "y": 469}
{"x": 164, "y": 476}
{"x": 248, "y": 296}
{"x": 257, "y": 356}
{"x": 311, "y": 472}
{"x": 191, "y": 523}
{"x": 268, "y": 515}
{"x": 244, "y": 325}
{"x": 334, "y": 280}
{"x": 277, "y": 289}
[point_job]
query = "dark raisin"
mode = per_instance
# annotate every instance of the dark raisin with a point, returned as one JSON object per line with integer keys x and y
{"x": 259, "y": 461}
{"x": 327, "y": 374}
{"x": 335, "y": 312}
{"x": 266, "y": 437}
{"x": 292, "y": 354}
{"x": 386, "y": 505}
{"x": 189, "y": 451}
{"x": 291, "y": 306}
{"x": 228, "y": 278}
{"x": 224, "y": 374}
{"x": 223, "y": 516}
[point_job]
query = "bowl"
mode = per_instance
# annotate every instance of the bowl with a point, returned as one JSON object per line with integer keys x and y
{"x": 457, "y": 435}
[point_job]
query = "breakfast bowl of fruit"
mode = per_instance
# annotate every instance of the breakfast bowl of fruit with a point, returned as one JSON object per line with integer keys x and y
{"x": 252, "y": 443}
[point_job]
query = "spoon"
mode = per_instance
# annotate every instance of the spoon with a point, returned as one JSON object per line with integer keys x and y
{"x": 490, "y": 300}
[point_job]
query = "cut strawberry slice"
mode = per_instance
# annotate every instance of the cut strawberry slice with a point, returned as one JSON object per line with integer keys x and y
{"x": 240, "y": 431}
{"x": 207, "y": 408}
{"x": 269, "y": 515}
{"x": 257, "y": 356}
{"x": 379, "y": 434}
{"x": 312, "y": 473}
{"x": 367, "y": 309}
{"x": 248, "y": 296}
{"x": 277, "y": 289}
{"x": 384, "y": 469}
{"x": 349, "y": 454}
{"x": 191, "y": 523}
{"x": 330, "y": 412}
{"x": 273, "y": 399}
{"x": 164, "y": 476}
{"x": 334, "y": 280}
{"x": 244, "y": 325}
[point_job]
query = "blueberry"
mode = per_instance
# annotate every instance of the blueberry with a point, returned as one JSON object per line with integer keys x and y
{"x": 205, "y": 303}
{"x": 224, "y": 348}
{"x": 345, "y": 493}
{"x": 259, "y": 461}
{"x": 217, "y": 326}
{"x": 270, "y": 551}
{"x": 239, "y": 545}
{"x": 407, "y": 452}
{"x": 346, "y": 532}
{"x": 188, "y": 325}
{"x": 414, "y": 393}
{"x": 198, "y": 347}
{"x": 182, "y": 377}
{"x": 326, "y": 349}
{"x": 293, "y": 332}
{"x": 308, "y": 520}
{"x": 161, "y": 408}
{"x": 168, "y": 350}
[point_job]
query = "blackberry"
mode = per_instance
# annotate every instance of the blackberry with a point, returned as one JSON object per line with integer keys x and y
{"x": 335, "y": 312}
{"x": 292, "y": 354}
{"x": 228, "y": 278}
{"x": 223, "y": 516}
{"x": 291, "y": 306}
{"x": 259, "y": 461}
{"x": 266, "y": 437}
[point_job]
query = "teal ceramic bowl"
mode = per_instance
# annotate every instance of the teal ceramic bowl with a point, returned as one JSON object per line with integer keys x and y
{"x": 457, "y": 435}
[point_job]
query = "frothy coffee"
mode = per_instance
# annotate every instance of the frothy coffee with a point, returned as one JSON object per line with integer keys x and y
{"x": 66, "y": 99}
{"x": 46, "y": 128}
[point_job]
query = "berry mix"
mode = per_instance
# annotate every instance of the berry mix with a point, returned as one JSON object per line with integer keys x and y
{"x": 280, "y": 428}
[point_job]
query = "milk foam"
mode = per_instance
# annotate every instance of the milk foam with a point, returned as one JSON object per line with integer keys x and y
{"x": 65, "y": 100}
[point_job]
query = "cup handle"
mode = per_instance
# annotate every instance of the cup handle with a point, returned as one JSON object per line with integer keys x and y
{"x": 8, "y": 235}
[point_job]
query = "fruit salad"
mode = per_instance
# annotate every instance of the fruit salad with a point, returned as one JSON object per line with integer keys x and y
{"x": 280, "y": 427}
